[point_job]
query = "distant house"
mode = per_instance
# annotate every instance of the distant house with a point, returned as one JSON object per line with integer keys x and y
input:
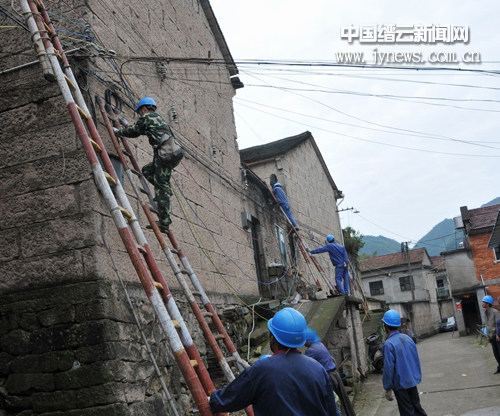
{"x": 407, "y": 283}
{"x": 474, "y": 269}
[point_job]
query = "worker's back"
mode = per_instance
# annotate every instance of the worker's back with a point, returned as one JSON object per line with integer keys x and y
{"x": 287, "y": 384}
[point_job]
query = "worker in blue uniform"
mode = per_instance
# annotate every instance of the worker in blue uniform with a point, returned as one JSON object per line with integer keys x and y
{"x": 285, "y": 384}
{"x": 338, "y": 256}
{"x": 317, "y": 350}
{"x": 402, "y": 371}
{"x": 285, "y": 206}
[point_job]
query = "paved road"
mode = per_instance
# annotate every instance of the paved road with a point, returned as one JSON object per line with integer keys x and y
{"x": 457, "y": 380}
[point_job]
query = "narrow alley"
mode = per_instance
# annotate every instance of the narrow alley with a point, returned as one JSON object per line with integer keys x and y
{"x": 457, "y": 380}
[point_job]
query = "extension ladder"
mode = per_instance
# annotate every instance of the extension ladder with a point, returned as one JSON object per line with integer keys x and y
{"x": 47, "y": 45}
{"x": 190, "y": 295}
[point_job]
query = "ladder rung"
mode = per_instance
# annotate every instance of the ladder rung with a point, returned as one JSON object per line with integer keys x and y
{"x": 142, "y": 250}
{"x": 47, "y": 28}
{"x": 135, "y": 172}
{"x": 175, "y": 251}
{"x": 230, "y": 359}
{"x": 83, "y": 114}
{"x": 219, "y": 336}
{"x": 207, "y": 314}
{"x": 176, "y": 324}
{"x": 38, "y": 4}
{"x": 126, "y": 153}
{"x": 113, "y": 182}
{"x": 158, "y": 285}
{"x": 185, "y": 272}
{"x": 58, "y": 54}
{"x": 125, "y": 213}
{"x": 70, "y": 84}
{"x": 96, "y": 146}
{"x": 144, "y": 191}
{"x": 194, "y": 363}
{"x": 195, "y": 293}
{"x": 154, "y": 210}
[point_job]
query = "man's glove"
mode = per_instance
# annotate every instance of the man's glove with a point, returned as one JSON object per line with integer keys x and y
{"x": 345, "y": 264}
{"x": 116, "y": 131}
{"x": 388, "y": 395}
{"x": 308, "y": 249}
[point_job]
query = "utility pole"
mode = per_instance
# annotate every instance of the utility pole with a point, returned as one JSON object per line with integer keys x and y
{"x": 404, "y": 249}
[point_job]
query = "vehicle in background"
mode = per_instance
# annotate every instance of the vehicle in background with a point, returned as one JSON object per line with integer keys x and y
{"x": 448, "y": 324}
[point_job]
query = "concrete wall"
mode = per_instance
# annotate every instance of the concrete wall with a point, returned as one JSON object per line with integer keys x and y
{"x": 67, "y": 339}
{"x": 460, "y": 269}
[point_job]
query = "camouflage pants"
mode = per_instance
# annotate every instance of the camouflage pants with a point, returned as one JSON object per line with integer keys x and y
{"x": 159, "y": 176}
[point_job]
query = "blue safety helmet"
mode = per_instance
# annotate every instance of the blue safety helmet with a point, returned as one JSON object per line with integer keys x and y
{"x": 312, "y": 336}
{"x": 289, "y": 328}
{"x": 330, "y": 238}
{"x": 277, "y": 184}
{"x": 264, "y": 357}
{"x": 145, "y": 101}
{"x": 392, "y": 318}
{"x": 489, "y": 299}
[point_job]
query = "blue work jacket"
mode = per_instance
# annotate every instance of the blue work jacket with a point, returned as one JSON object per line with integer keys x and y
{"x": 282, "y": 385}
{"x": 401, "y": 362}
{"x": 319, "y": 352}
{"x": 338, "y": 254}
{"x": 281, "y": 197}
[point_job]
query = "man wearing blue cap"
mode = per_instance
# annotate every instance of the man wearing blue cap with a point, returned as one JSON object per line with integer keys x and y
{"x": 338, "y": 257}
{"x": 285, "y": 384}
{"x": 317, "y": 350}
{"x": 280, "y": 196}
{"x": 402, "y": 371}
{"x": 491, "y": 317}
{"x": 159, "y": 171}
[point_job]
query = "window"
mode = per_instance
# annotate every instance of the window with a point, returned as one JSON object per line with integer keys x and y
{"x": 376, "y": 288}
{"x": 497, "y": 253}
{"x": 280, "y": 235}
{"x": 406, "y": 283}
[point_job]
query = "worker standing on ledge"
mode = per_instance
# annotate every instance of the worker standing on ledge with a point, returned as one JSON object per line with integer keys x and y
{"x": 338, "y": 256}
{"x": 159, "y": 171}
{"x": 285, "y": 206}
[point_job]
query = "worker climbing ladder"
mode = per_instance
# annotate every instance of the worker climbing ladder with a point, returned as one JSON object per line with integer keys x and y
{"x": 49, "y": 48}
{"x": 303, "y": 247}
{"x": 210, "y": 312}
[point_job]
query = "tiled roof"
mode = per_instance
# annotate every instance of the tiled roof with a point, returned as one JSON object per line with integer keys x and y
{"x": 389, "y": 260}
{"x": 273, "y": 149}
{"x": 483, "y": 217}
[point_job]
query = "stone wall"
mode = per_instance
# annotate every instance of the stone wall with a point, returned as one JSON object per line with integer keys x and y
{"x": 67, "y": 340}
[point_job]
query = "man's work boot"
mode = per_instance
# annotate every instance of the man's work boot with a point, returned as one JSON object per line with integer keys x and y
{"x": 163, "y": 228}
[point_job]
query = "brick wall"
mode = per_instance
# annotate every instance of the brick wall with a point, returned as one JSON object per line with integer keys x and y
{"x": 484, "y": 261}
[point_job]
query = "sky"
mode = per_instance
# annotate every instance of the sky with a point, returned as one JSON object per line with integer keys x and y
{"x": 408, "y": 147}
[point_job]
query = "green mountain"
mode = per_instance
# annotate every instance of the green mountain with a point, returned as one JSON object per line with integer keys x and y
{"x": 442, "y": 237}
{"x": 380, "y": 245}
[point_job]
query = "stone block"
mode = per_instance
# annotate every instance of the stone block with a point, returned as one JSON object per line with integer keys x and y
{"x": 51, "y": 362}
{"x": 16, "y": 342}
{"x": 10, "y": 243}
{"x": 29, "y": 321}
{"x": 61, "y": 234}
{"x": 5, "y": 363}
{"x": 54, "y": 401}
{"x": 258, "y": 337}
{"x": 63, "y": 314}
{"x": 40, "y": 206}
{"x": 17, "y": 403}
{"x": 26, "y": 384}
{"x": 19, "y": 121}
{"x": 110, "y": 393}
{"x": 111, "y": 351}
